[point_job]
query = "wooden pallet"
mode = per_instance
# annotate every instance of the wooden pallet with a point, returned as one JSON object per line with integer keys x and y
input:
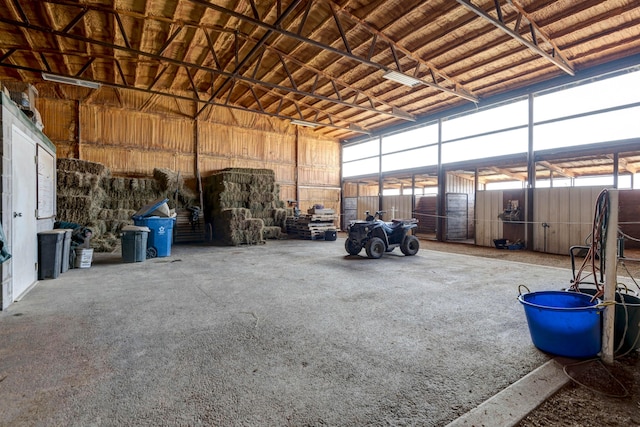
{"x": 305, "y": 227}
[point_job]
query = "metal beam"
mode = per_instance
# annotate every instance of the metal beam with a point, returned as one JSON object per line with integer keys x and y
{"x": 458, "y": 90}
{"x": 555, "y": 57}
{"x": 395, "y": 111}
{"x": 322, "y": 46}
{"x": 179, "y": 63}
{"x": 256, "y": 48}
{"x": 186, "y": 98}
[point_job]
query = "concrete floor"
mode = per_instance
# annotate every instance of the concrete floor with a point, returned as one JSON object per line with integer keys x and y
{"x": 292, "y": 332}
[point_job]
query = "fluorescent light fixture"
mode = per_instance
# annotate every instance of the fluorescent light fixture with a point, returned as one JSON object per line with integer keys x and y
{"x": 401, "y": 78}
{"x": 70, "y": 81}
{"x": 304, "y": 123}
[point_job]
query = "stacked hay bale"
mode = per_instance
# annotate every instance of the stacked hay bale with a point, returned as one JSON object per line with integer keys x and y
{"x": 244, "y": 205}
{"x": 172, "y": 185}
{"x": 88, "y": 195}
{"x": 125, "y": 197}
{"x": 80, "y": 196}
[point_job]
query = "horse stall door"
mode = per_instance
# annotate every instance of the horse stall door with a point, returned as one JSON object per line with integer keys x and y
{"x": 457, "y": 213}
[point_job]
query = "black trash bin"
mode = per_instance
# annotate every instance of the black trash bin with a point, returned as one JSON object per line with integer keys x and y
{"x": 50, "y": 245}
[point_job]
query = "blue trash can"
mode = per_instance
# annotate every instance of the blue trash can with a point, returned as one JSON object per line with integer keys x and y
{"x": 161, "y": 235}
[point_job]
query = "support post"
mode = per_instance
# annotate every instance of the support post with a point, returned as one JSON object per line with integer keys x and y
{"x": 611, "y": 279}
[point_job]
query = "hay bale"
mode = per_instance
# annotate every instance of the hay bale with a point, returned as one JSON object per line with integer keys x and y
{"x": 253, "y": 231}
{"x": 168, "y": 179}
{"x": 272, "y": 232}
{"x": 82, "y": 166}
{"x": 268, "y": 222}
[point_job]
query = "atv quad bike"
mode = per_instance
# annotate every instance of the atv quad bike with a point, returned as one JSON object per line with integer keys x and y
{"x": 378, "y": 237}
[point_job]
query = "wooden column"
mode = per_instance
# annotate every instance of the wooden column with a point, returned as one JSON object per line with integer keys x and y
{"x": 611, "y": 279}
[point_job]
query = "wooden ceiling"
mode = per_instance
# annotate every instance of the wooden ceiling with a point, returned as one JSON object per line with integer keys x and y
{"x": 321, "y": 61}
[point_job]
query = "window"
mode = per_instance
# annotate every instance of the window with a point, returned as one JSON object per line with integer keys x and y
{"x": 425, "y": 156}
{"x": 612, "y": 92}
{"x": 603, "y": 127}
{"x": 496, "y": 144}
{"x": 361, "y": 167}
{"x": 491, "y": 119}
{"x": 411, "y": 139}
{"x": 361, "y": 150}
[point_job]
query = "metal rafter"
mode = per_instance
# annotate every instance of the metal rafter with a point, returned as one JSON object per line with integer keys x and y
{"x": 555, "y": 56}
{"x": 373, "y": 100}
{"x": 19, "y": 11}
{"x": 254, "y": 50}
{"x": 459, "y": 89}
{"x": 320, "y": 45}
{"x": 177, "y": 96}
{"x": 193, "y": 66}
{"x": 399, "y": 113}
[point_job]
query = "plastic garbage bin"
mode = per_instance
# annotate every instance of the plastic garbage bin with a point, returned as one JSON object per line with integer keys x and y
{"x": 134, "y": 243}
{"x": 66, "y": 250}
{"x": 50, "y": 253}
{"x": 161, "y": 234}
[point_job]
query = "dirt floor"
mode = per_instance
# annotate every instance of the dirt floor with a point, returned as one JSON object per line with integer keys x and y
{"x": 600, "y": 395}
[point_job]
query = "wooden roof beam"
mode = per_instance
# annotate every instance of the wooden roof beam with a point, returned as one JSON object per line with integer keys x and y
{"x": 506, "y": 172}
{"x": 624, "y": 164}
{"x": 557, "y": 169}
{"x": 556, "y": 57}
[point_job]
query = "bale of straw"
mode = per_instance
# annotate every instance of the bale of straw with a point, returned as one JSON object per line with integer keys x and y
{"x": 82, "y": 166}
{"x": 272, "y": 232}
{"x": 253, "y": 231}
{"x": 269, "y": 222}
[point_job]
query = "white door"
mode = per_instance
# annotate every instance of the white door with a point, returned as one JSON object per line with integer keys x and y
{"x": 24, "y": 234}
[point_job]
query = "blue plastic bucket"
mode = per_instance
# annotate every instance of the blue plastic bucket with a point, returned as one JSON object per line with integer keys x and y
{"x": 563, "y": 323}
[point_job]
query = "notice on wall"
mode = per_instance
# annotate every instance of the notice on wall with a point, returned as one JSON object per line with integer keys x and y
{"x": 46, "y": 183}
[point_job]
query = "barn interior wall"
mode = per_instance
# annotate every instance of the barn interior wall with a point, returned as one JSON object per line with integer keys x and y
{"x": 125, "y": 131}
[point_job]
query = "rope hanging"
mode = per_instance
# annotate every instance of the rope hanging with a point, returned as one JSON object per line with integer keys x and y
{"x": 594, "y": 261}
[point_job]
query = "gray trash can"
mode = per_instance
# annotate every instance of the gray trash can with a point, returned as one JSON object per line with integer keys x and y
{"x": 134, "y": 243}
{"x": 50, "y": 253}
{"x": 66, "y": 250}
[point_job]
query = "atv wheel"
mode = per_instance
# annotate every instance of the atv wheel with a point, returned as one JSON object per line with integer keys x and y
{"x": 375, "y": 247}
{"x": 351, "y": 247}
{"x": 410, "y": 245}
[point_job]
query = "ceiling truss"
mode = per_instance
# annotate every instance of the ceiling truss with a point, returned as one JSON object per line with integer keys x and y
{"x": 524, "y": 30}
